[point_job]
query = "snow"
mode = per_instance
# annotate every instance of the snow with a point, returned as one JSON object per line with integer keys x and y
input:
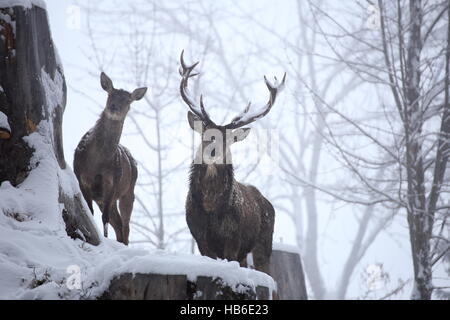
{"x": 285, "y": 247}
{"x": 27, "y": 4}
{"x": 161, "y": 262}
{"x": 53, "y": 89}
{"x": 275, "y": 83}
{"x": 4, "y": 122}
{"x": 8, "y": 20}
{"x": 58, "y": 60}
{"x": 37, "y": 258}
{"x": 36, "y": 255}
{"x": 248, "y": 113}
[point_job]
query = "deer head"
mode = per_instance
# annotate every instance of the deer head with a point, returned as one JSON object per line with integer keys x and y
{"x": 119, "y": 101}
{"x": 217, "y": 139}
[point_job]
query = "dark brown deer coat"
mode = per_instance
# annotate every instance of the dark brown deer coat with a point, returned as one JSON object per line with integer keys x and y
{"x": 106, "y": 170}
{"x": 227, "y": 219}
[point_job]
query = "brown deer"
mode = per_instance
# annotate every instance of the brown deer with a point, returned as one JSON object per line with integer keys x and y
{"x": 227, "y": 219}
{"x": 106, "y": 171}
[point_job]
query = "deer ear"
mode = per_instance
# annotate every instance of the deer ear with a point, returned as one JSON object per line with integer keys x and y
{"x": 138, "y": 94}
{"x": 106, "y": 82}
{"x": 239, "y": 134}
{"x": 195, "y": 122}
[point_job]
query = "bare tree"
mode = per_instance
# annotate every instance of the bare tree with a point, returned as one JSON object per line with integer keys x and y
{"x": 331, "y": 61}
{"x": 407, "y": 54}
{"x": 303, "y": 147}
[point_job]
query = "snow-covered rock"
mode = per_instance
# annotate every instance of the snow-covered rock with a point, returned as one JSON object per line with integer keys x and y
{"x": 37, "y": 257}
{"x": 4, "y": 124}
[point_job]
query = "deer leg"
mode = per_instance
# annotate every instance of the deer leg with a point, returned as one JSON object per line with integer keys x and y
{"x": 111, "y": 215}
{"x": 126, "y": 208}
{"x": 105, "y": 220}
{"x": 261, "y": 259}
{"x": 206, "y": 251}
{"x": 231, "y": 250}
{"x": 116, "y": 222}
{"x": 87, "y": 196}
{"x": 263, "y": 247}
{"x": 106, "y": 207}
{"x": 243, "y": 263}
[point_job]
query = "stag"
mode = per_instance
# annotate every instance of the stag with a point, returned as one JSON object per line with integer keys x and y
{"x": 228, "y": 219}
{"x": 106, "y": 170}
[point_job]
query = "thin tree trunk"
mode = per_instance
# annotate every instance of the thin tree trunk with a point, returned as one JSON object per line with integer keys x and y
{"x": 418, "y": 219}
{"x": 161, "y": 244}
{"x": 354, "y": 256}
{"x": 443, "y": 148}
{"x": 312, "y": 267}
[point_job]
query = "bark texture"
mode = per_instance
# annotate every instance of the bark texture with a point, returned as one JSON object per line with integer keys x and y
{"x": 287, "y": 270}
{"x": 26, "y": 51}
{"x": 177, "y": 287}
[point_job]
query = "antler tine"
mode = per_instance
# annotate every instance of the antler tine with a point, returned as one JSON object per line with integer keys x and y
{"x": 185, "y": 72}
{"x": 202, "y": 107}
{"x": 243, "y": 113}
{"x": 274, "y": 88}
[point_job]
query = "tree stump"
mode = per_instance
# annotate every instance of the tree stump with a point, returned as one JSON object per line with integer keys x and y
{"x": 27, "y": 57}
{"x": 177, "y": 287}
{"x": 287, "y": 271}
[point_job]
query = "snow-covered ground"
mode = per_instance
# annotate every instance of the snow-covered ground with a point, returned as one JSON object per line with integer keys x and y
{"x": 37, "y": 257}
{"x": 39, "y": 261}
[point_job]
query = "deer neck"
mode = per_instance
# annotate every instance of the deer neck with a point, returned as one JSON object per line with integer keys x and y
{"x": 212, "y": 185}
{"x": 106, "y": 135}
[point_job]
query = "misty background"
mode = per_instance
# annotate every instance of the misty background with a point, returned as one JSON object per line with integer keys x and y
{"x": 352, "y": 245}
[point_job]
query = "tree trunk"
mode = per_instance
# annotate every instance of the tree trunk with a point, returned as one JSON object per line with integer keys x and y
{"x": 152, "y": 286}
{"x": 419, "y": 221}
{"x": 287, "y": 270}
{"x": 33, "y": 96}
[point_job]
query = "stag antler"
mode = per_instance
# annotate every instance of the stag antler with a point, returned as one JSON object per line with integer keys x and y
{"x": 245, "y": 118}
{"x": 185, "y": 72}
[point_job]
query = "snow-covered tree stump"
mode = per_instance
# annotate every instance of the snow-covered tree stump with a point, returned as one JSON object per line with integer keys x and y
{"x": 209, "y": 279}
{"x": 163, "y": 276}
{"x": 32, "y": 102}
{"x": 178, "y": 287}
